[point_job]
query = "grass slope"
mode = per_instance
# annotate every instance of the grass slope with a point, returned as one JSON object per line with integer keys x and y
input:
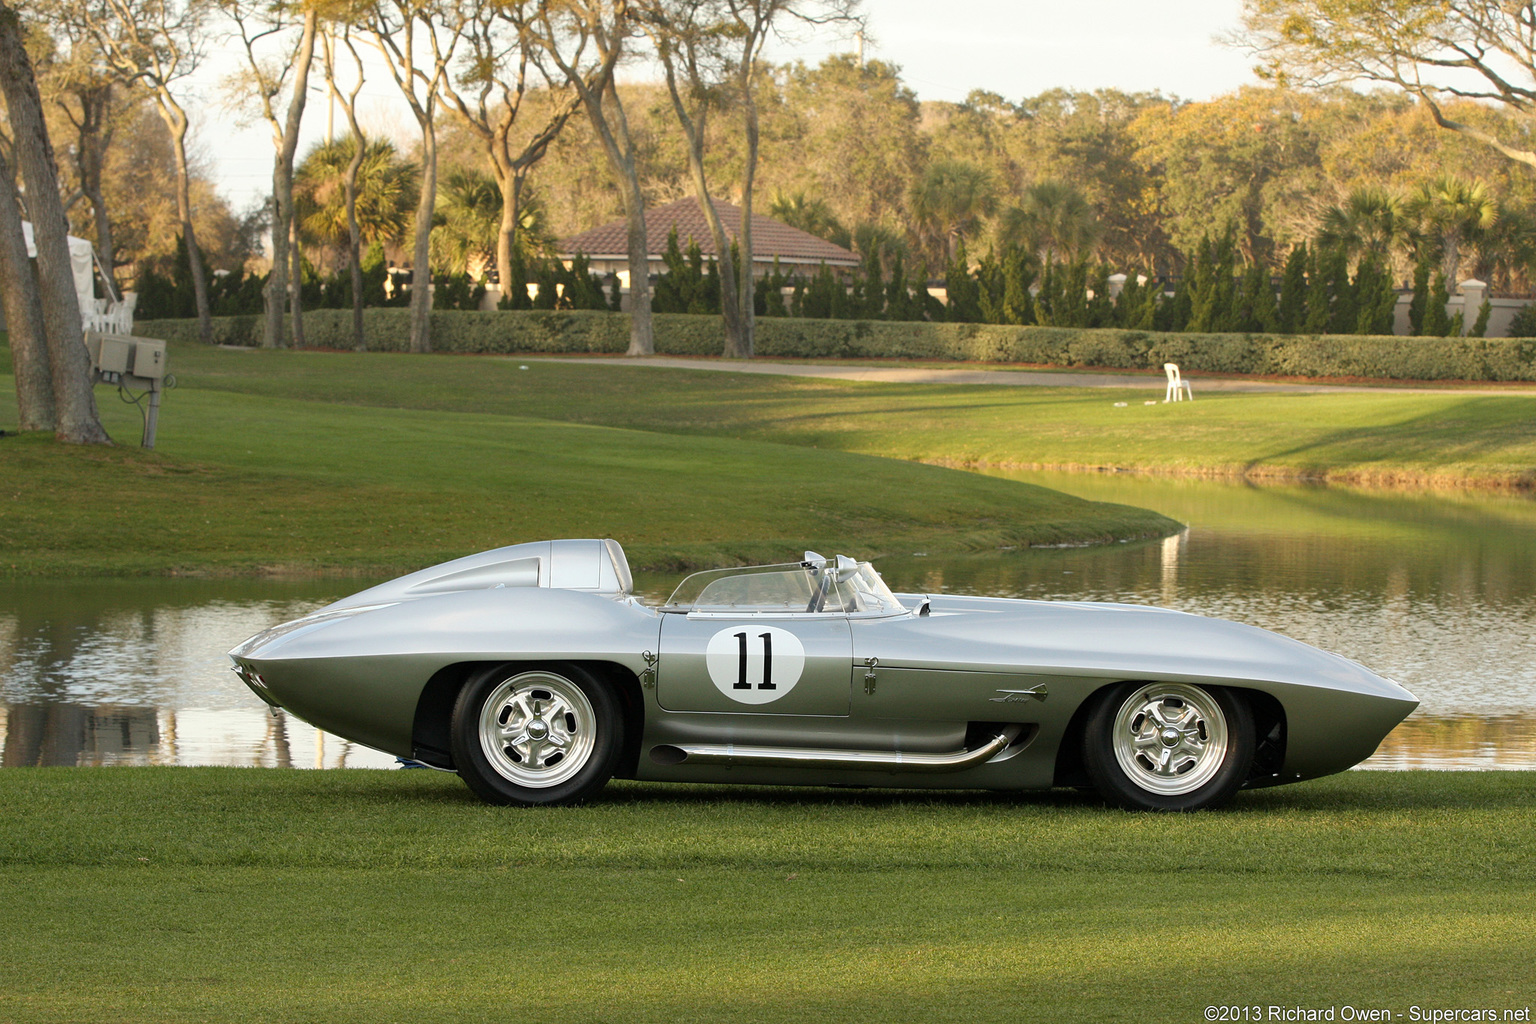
{"x": 1382, "y": 437}
{"x": 232, "y": 894}
{"x": 261, "y": 483}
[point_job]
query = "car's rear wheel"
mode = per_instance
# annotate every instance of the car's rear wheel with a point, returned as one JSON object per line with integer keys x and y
{"x": 1168, "y": 746}
{"x": 536, "y": 734}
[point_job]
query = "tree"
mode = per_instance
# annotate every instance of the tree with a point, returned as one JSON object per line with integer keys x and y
{"x": 470, "y": 216}
{"x": 402, "y": 29}
{"x": 1436, "y": 50}
{"x": 384, "y": 196}
{"x": 354, "y": 168}
{"x": 950, "y": 200}
{"x": 811, "y": 215}
{"x": 497, "y": 63}
{"x": 710, "y": 52}
{"x": 1370, "y": 221}
{"x": 563, "y": 35}
{"x": 157, "y": 43}
{"x": 263, "y": 24}
{"x": 75, "y": 417}
{"x": 1453, "y": 211}
{"x": 1291, "y": 311}
{"x": 850, "y": 133}
{"x": 80, "y": 86}
{"x": 23, "y": 315}
{"x": 1052, "y": 218}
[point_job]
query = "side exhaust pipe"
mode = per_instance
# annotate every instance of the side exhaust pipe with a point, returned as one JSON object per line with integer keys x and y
{"x": 811, "y": 757}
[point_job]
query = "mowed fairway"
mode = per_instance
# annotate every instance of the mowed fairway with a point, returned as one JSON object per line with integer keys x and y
{"x": 317, "y": 480}
{"x": 270, "y": 895}
{"x": 1443, "y": 438}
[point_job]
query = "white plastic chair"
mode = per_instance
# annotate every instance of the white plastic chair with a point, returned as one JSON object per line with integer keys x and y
{"x": 1176, "y": 384}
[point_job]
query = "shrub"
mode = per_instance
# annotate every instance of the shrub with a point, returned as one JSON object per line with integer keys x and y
{"x": 591, "y": 331}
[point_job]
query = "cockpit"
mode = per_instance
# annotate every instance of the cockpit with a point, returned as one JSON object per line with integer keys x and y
{"x": 812, "y": 586}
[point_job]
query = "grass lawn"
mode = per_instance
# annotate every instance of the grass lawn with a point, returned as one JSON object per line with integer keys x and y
{"x": 1423, "y": 437}
{"x": 166, "y": 894}
{"x": 319, "y": 480}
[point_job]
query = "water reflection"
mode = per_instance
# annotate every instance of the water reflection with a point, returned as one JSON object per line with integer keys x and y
{"x": 1436, "y": 591}
{"x": 133, "y": 672}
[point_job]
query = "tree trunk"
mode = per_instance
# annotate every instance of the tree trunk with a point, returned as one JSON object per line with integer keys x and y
{"x": 275, "y": 292}
{"x": 421, "y": 265}
{"x": 176, "y": 120}
{"x": 296, "y": 282}
{"x": 694, "y": 129}
{"x": 509, "y": 183}
{"x": 76, "y": 417}
{"x": 91, "y": 141}
{"x": 282, "y": 173}
{"x": 23, "y": 316}
{"x": 355, "y": 243}
{"x": 621, "y": 160}
{"x": 642, "y": 339}
{"x": 748, "y": 178}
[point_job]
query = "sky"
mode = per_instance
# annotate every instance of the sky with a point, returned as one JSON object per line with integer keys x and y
{"x": 945, "y": 48}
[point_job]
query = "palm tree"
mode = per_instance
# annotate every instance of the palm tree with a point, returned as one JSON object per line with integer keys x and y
{"x": 950, "y": 200}
{"x": 1454, "y": 212}
{"x": 811, "y": 215}
{"x": 386, "y": 193}
{"x": 468, "y": 220}
{"x": 1370, "y": 221}
{"x": 1052, "y": 217}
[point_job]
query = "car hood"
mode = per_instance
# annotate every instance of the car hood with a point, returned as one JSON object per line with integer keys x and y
{"x": 1114, "y": 641}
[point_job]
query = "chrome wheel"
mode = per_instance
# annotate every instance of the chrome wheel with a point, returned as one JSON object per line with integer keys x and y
{"x": 1170, "y": 738}
{"x": 537, "y": 729}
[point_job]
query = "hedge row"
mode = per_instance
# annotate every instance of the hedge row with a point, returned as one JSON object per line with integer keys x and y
{"x": 680, "y": 334}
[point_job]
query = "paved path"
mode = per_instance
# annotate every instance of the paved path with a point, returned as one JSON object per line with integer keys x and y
{"x": 1015, "y": 378}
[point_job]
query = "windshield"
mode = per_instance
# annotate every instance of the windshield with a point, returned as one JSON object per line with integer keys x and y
{"x": 795, "y": 587}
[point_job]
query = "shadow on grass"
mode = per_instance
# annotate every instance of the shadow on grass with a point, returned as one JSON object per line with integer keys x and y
{"x": 1356, "y": 791}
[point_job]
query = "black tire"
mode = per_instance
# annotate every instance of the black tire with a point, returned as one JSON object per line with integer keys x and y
{"x": 1134, "y": 759}
{"x": 536, "y": 734}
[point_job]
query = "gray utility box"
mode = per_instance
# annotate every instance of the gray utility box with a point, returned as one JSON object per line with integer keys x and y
{"x": 130, "y": 362}
{"x": 126, "y": 355}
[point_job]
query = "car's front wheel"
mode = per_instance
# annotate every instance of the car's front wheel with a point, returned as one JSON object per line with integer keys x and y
{"x": 1168, "y": 746}
{"x": 536, "y": 734}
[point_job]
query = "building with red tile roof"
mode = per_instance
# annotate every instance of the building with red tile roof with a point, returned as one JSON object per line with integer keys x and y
{"x": 797, "y": 251}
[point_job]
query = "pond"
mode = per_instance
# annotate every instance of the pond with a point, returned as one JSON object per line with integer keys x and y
{"x": 1435, "y": 590}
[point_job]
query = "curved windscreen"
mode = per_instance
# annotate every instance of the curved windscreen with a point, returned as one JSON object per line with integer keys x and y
{"x": 795, "y": 587}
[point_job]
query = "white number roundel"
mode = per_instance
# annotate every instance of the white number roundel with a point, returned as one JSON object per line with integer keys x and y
{"x": 755, "y": 664}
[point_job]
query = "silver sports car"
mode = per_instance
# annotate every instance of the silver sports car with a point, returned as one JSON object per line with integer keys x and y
{"x": 534, "y": 673}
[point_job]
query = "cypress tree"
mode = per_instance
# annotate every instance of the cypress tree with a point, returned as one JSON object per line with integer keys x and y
{"x": 964, "y": 293}
{"x": 1045, "y": 302}
{"x": 900, "y": 304}
{"x": 1073, "y": 293}
{"x": 1375, "y": 298}
{"x": 1344, "y": 313}
{"x": 1319, "y": 295}
{"x": 1420, "y": 303}
{"x": 1291, "y": 310}
{"x": 1437, "y": 321}
{"x": 1018, "y": 275}
{"x": 1256, "y": 310}
{"x": 1173, "y": 315}
{"x": 989, "y": 289}
{"x": 1202, "y": 296}
{"x": 1101, "y": 311}
{"x": 873, "y": 307}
